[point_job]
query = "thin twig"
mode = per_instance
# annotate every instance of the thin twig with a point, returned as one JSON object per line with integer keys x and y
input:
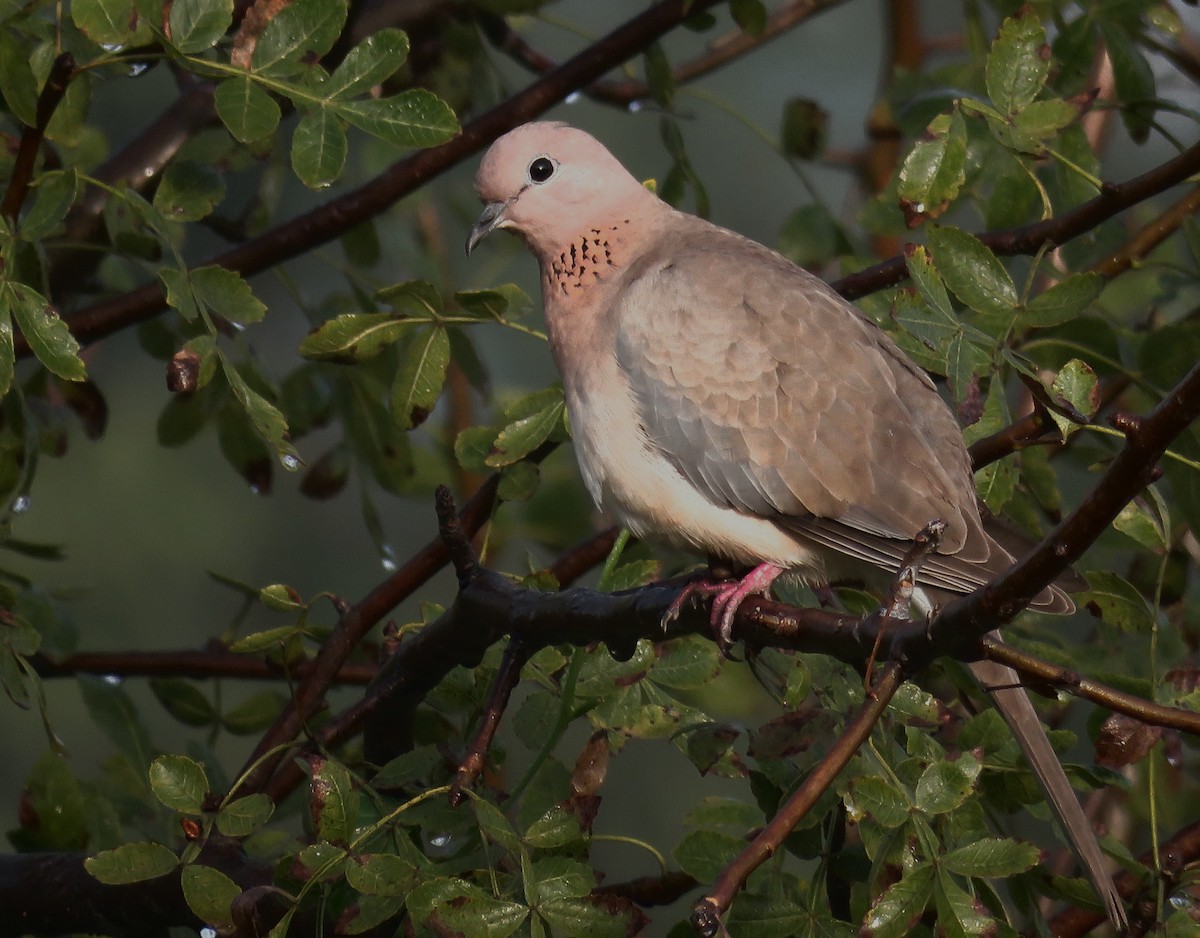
{"x": 61, "y": 73}
{"x": 706, "y": 916}
{"x": 215, "y": 662}
{"x": 720, "y": 52}
{"x": 1040, "y": 671}
{"x": 1029, "y": 239}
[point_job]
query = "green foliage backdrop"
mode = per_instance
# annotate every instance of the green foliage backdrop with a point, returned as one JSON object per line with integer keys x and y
{"x": 240, "y": 221}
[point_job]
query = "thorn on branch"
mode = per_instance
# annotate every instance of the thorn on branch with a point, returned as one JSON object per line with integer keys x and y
{"x": 462, "y": 555}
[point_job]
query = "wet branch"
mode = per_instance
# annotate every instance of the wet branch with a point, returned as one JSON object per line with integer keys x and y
{"x": 52, "y": 93}
{"x": 721, "y": 51}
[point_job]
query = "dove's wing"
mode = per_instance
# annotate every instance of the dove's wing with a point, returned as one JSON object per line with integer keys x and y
{"x": 774, "y": 396}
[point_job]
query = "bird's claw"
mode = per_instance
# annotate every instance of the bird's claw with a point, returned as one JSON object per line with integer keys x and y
{"x": 727, "y": 597}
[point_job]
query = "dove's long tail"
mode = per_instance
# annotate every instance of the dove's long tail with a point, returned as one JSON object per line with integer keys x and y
{"x": 1003, "y": 684}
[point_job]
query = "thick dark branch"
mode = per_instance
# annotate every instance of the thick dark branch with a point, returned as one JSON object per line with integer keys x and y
{"x": 334, "y": 218}
{"x": 1029, "y": 239}
{"x": 60, "y": 76}
{"x": 720, "y": 52}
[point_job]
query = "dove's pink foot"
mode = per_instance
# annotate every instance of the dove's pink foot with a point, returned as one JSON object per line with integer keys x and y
{"x": 727, "y": 596}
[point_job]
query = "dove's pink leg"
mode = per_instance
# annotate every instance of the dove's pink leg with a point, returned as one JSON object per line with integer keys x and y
{"x": 727, "y": 596}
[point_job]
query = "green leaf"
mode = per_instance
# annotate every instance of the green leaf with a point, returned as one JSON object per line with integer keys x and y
{"x": 659, "y": 76}
{"x": 704, "y": 854}
{"x": 420, "y": 375}
{"x": 209, "y": 893}
{"x": 1116, "y": 601}
{"x": 519, "y": 482}
{"x": 265, "y": 417}
{"x": 960, "y": 913}
{"x": 368, "y": 64}
{"x": 381, "y": 874}
{"x": 179, "y": 292}
{"x": 895, "y": 912}
{"x": 451, "y": 906}
{"x": 1018, "y": 63}
{"x": 197, "y": 25}
{"x": 189, "y": 191}
{"x": 495, "y": 825}
{"x": 412, "y": 118}
{"x": 334, "y": 802}
{"x": 558, "y": 878}
{"x": 804, "y": 129}
{"x": 495, "y": 302}
{"x": 874, "y": 796}
{"x": 47, "y": 335}
{"x": 1140, "y": 523}
{"x": 55, "y": 193}
{"x": 686, "y": 664}
{"x": 1041, "y": 120}
{"x": 750, "y": 15}
{"x": 591, "y": 917}
{"x": 253, "y": 714}
{"x": 715, "y": 811}
{"x": 972, "y": 272}
{"x": 319, "y": 148}
{"x": 1134, "y": 79}
{"x": 111, "y": 709}
{"x": 991, "y": 857}
{"x": 523, "y": 436}
{"x": 8, "y": 355}
{"x": 369, "y": 912}
{"x": 247, "y": 111}
{"x": 1063, "y": 301}
{"x": 1078, "y": 385}
{"x": 131, "y": 863}
{"x": 18, "y": 86}
{"x": 179, "y": 783}
{"x": 935, "y": 170}
{"x": 303, "y": 30}
{"x": 556, "y": 828}
{"x": 243, "y": 816}
{"x": 261, "y": 641}
{"x": 110, "y": 23}
{"x": 225, "y": 293}
{"x": 353, "y": 337}
{"x": 779, "y": 917}
{"x": 965, "y": 362}
{"x": 944, "y": 785}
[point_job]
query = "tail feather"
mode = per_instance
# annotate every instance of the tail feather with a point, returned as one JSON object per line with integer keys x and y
{"x": 1002, "y": 683}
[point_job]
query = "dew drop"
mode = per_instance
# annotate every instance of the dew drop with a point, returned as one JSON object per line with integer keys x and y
{"x": 113, "y": 47}
{"x": 572, "y": 98}
{"x": 20, "y": 504}
{"x": 112, "y": 680}
{"x": 291, "y": 462}
{"x": 138, "y": 68}
{"x": 387, "y": 558}
{"x": 208, "y": 932}
{"x": 919, "y": 208}
{"x": 634, "y": 107}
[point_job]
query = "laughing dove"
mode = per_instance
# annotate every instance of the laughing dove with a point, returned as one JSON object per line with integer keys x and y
{"x": 731, "y": 403}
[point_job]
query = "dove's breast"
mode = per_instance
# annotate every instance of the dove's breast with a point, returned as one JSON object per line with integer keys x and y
{"x": 630, "y": 480}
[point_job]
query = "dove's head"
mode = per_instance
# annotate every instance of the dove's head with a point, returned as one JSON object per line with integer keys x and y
{"x": 547, "y": 181}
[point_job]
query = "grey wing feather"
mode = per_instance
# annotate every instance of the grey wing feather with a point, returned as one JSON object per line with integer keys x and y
{"x": 774, "y": 396}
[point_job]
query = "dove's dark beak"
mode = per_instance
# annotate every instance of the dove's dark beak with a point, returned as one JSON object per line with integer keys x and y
{"x": 491, "y": 218}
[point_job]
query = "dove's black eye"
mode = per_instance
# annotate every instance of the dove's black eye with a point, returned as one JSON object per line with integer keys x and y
{"x": 541, "y": 169}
